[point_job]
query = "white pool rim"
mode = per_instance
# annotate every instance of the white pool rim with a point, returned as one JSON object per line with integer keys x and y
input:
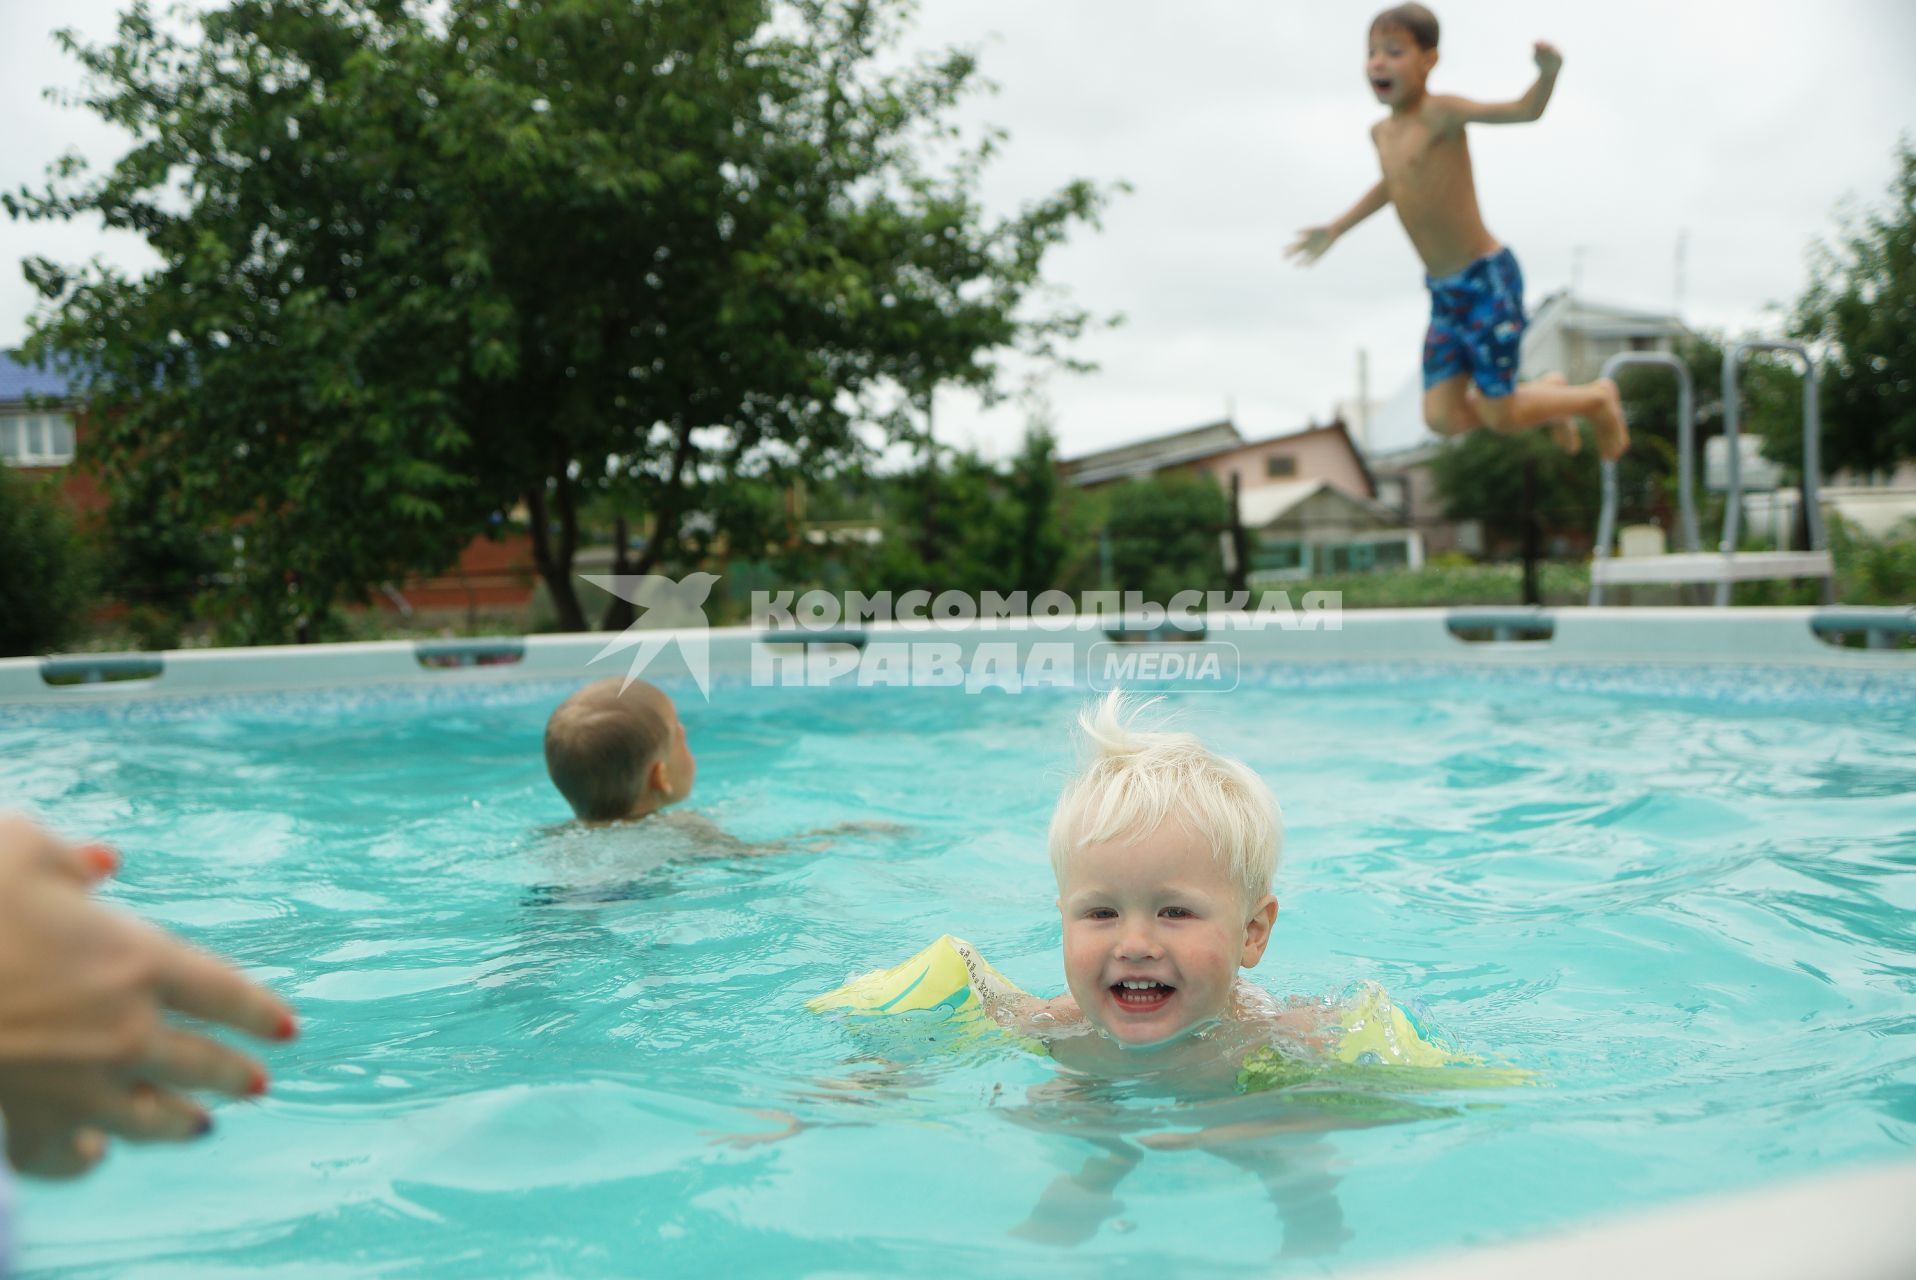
{"x": 1771, "y": 637}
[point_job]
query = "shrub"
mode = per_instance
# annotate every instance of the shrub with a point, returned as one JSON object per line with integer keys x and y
{"x": 46, "y": 570}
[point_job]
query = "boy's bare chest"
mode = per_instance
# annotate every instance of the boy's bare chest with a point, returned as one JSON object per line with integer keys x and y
{"x": 1413, "y": 151}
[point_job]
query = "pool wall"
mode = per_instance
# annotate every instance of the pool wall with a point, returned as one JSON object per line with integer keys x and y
{"x": 1851, "y": 1225}
{"x": 1797, "y": 637}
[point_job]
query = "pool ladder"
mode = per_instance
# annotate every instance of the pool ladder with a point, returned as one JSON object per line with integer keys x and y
{"x": 1726, "y": 565}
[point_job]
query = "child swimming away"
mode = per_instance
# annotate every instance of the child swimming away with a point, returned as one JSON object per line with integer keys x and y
{"x": 618, "y": 752}
{"x": 1476, "y": 289}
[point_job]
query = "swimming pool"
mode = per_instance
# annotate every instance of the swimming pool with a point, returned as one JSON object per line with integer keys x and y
{"x": 1682, "y": 894}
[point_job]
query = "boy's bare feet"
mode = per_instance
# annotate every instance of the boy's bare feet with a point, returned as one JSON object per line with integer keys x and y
{"x": 1613, "y": 434}
{"x": 1562, "y": 430}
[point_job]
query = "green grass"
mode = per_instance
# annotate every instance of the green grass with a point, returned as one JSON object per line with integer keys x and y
{"x": 1436, "y": 586}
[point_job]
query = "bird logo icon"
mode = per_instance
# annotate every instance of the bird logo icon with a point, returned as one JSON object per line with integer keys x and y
{"x": 668, "y": 612}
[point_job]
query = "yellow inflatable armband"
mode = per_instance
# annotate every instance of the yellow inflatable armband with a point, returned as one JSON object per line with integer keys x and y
{"x": 947, "y": 975}
{"x": 1377, "y": 1032}
{"x": 1379, "y": 1044}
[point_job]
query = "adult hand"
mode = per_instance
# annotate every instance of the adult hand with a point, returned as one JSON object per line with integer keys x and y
{"x": 1310, "y": 245}
{"x": 86, "y": 1045}
{"x": 1549, "y": 61}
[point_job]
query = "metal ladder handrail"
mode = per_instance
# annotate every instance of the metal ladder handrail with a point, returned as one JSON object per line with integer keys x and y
{"x": 1686, "y": 465}
{"x": 1812, "y": 453}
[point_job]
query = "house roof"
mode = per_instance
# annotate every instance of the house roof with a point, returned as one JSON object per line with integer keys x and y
{"x": 1335, "y": 425}
{"x": 18, "y": 381}
{"x": 1567, "y": 310}
{"x": 1193, "y": 444}
{"x": 1267, "y": 503}
{"x": 1153, "y": 453}
{"x": 1398, "y": 461}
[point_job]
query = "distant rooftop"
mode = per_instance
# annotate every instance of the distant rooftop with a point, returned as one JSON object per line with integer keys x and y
{"x": 1155, "y": 453}
{"x": 1566, "y": 310}
{"x": 1177, "y": 448}
{"x": 18, "y": 381}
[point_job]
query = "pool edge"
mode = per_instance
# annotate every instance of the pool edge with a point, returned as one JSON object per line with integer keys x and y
{"x": 1527, "y": 637}
{"x": 1847, "y": 1225}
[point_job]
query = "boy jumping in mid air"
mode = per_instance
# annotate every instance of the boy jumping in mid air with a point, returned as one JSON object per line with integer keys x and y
{"x": 1476, "y": 289}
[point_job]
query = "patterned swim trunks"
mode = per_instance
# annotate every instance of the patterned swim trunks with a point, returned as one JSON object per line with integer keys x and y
{"x": 1476, "y": 325}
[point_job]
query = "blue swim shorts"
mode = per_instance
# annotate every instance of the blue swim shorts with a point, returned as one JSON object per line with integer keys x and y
{"x": 1476, "y": 324}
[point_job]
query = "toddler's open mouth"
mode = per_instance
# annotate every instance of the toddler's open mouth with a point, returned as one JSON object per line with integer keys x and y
{"x": 1141, "y": 995}
{"x": 1382, "y": 86}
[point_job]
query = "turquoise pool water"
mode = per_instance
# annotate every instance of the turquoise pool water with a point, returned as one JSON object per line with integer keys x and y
{"x": 1686, "y": 900}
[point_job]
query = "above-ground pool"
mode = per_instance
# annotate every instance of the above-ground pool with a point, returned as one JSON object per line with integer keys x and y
{"x": 1682, "y": 897}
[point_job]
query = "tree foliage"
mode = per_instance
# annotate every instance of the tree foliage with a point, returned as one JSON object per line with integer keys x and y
{"x": 1162, "y": 533}
{"x": 46, "y": 568}
{"x": 1480, "y": 477}
{"x": 420, "y": 263}
{"x": 1860, "y": 310}
{"x": 962, "y": 523}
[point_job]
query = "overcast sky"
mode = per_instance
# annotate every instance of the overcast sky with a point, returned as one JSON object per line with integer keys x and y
{"x": 1743, "y": 123}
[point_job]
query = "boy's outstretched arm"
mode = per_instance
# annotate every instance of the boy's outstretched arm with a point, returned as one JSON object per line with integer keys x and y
{"x": 1521, "y": 111}
{"x": 1311, "y": 242}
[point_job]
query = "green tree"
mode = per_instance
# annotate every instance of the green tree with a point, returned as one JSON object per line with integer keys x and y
{"x": 420, "y": 263}
{"x": 1038, "y": 542}
{"x": 1860, "y": 310}
{"x": 952, "y": 523}
{"x": 155, "y": 559}
{"x": 46, "y": 570}
{"x": 1479, "y": 476}
{"x": 964, "y": 524}
{"x": 1162, "y": 532}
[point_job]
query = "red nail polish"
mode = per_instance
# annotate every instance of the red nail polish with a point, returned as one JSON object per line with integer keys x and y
{"x": 288, "y": 1027}
{"x": 104, "y": 859}
{"x": 257, "y": 1085}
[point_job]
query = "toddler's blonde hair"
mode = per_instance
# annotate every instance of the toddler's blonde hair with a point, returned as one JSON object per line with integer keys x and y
{"x": 1135, "y": 780}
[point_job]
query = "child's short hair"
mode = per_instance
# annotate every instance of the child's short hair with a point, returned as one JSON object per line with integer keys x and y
{"x": 599, "y": 744}
{"x": 1134, "y": 781}
{"x": 1420, "y": 22}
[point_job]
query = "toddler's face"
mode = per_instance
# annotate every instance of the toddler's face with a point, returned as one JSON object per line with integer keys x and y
{"x": 1155, "y": 931}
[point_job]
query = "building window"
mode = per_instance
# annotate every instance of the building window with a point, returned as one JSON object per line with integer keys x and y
{"x": 1279, "y": 558}
{"x": 1349, "y": 557}
{"x": 1279, "y": 467}
{"x": 1291, "y": 560}
{"x": 36, "y": 440}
